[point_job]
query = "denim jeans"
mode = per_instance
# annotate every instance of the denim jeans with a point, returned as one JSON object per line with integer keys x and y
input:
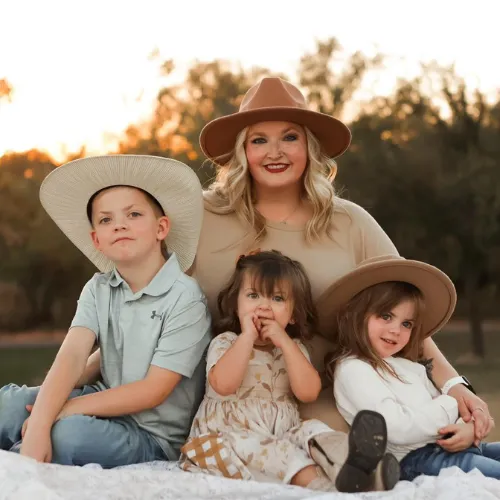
{"x": 431, "y": 459}
{"x": 78, "y": 439}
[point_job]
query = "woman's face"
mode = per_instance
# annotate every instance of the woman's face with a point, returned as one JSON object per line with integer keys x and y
{"x": 276, "y": 154}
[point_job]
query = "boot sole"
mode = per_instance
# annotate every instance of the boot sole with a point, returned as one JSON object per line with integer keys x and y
{"x": 391, "y": 471}
{"x": 367, "y": 444}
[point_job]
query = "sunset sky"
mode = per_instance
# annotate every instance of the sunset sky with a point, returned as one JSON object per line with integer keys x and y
{"x": 81, "y": 71}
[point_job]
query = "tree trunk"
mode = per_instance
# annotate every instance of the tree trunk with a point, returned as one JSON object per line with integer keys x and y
{"x": 475, "y": 315}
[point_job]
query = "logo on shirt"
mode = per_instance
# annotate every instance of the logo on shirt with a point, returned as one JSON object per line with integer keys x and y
{"x": 154, "y": 315}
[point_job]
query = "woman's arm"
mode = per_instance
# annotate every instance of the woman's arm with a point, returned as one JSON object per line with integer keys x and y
{"x": 469, "y": 405}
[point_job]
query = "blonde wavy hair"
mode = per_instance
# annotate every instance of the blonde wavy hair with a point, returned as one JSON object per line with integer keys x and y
{"x": 232, "y": 189}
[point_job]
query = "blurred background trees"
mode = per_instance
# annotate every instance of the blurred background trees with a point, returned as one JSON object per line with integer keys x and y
{"x": 425, "y": 161}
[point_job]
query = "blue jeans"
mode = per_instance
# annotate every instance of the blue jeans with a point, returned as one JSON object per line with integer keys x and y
{"x": 430, "y": 459}
{"x": 78, "y": 439}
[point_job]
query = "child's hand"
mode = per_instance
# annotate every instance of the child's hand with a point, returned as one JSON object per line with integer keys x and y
{"x": 463, "y": 437}
{"x": 250, "y": 326}
{"x": 38, "y": 447}
{"x": 272, "y": 331}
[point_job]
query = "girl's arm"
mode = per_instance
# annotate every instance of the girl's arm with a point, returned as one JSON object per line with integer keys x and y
{"x": 468, "y": 403}
{"x": 357, "y": 386}
{"x": 227, "y": 372}
{"x": 59, "y": 382}
{"x": 304, "y": 378}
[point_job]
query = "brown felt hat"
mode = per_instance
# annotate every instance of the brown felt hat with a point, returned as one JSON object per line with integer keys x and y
{"x": 272, "y": 99}
{"x": 436, "y": 287}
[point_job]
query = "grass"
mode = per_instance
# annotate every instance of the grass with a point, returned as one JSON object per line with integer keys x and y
{"x": 25, "y": 365}
{"x": 28, "y": 365}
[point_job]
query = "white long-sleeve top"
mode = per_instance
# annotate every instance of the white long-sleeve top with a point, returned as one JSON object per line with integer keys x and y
{"x": 414, "y": 411}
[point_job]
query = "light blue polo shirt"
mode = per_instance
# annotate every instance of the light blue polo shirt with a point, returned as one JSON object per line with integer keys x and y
{"x": 166, "y": 324}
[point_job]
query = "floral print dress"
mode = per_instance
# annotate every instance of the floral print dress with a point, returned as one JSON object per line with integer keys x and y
{"x": 255, "y": 433}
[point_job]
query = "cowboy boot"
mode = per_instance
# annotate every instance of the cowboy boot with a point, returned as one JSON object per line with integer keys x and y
{"x": 352, "y": 469}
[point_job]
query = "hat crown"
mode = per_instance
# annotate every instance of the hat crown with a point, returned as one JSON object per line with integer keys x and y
{"x": 273, "y": 92}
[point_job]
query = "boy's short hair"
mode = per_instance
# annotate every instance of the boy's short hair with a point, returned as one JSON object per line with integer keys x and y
{"x": 155, "y": 204}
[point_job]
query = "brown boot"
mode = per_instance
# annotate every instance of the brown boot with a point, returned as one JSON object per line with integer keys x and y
{"x": 387, "y": 473}
{"x": 367, "y": 444}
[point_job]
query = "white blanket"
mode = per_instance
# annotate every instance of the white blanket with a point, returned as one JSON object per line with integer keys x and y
{"x": 22, "y": 478}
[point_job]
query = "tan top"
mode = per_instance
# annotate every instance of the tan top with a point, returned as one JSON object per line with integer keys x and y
{"x": 355, "y": 236}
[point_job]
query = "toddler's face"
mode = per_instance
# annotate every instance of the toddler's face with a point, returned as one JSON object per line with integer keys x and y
{"x": 279, "y": 306}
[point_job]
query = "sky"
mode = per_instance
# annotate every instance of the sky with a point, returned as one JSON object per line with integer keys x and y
{"x": 81, "y": 71}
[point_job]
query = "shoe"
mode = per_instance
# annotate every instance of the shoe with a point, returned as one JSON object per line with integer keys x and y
{"x": 387, "y": 473}
{"x": 367, "y": 445}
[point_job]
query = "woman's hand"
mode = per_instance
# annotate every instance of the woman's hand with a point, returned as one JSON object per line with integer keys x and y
{"x": 463, "y": 437}
{"x": 470, "y": 406}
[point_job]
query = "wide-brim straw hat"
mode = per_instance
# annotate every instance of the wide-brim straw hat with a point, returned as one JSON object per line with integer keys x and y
{"x": 66, "y": 191}
{"x": 272, "y": 99}
{"x": 436, "y": 287}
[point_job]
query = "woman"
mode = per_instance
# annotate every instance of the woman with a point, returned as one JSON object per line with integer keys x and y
{"x": 273, "y": 190}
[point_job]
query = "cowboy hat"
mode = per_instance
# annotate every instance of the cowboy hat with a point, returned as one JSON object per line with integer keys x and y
{"x": 272, "y": 99}
{"x": 436, "y": 287}
{"x": 66, "y": 191}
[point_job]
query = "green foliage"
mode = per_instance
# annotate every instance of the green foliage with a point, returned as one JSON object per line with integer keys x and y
{"x": 424, "y": 161}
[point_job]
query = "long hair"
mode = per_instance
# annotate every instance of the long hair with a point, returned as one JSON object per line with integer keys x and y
{"x": 352, "y": 325}
{"x": 233, "y": 188}
{"x": 269, "y": 270}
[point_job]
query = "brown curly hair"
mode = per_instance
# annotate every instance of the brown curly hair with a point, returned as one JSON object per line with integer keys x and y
{"x": 268, "y": 269}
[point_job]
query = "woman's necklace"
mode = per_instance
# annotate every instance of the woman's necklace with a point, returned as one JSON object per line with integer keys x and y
{"x": 284, "y": 221}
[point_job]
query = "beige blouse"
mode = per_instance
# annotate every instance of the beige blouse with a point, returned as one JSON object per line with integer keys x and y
{"x": 355, "y": 236}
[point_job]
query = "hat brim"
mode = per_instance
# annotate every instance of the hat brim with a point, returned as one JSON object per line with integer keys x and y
{"x": 218, "y": 137}
{"x": 66, "y": 191}
{"x": 436, "y": 287}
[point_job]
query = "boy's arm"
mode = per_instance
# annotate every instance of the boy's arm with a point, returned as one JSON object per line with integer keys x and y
{"x": 92, "y": 370}
{"x": 59, "y": 382}
{"x": 179, "y": 351}
{"x": 126, "y": 399}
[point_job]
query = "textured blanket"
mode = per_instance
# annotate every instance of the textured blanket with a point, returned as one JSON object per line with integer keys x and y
{"x": 22, "y": 478}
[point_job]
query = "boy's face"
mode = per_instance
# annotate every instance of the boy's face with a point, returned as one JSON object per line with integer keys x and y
{"x": 127, "y": 229}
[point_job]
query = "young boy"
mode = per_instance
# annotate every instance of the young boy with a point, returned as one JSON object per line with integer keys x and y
{"x": 149, "y": 319}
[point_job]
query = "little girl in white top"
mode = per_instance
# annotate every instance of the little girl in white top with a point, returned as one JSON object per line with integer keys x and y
{"x": 248, "y": 425}
{"x": 385, "y": 309}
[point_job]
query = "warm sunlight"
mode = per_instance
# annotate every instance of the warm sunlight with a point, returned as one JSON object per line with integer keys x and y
{"x": 84, "y": 73}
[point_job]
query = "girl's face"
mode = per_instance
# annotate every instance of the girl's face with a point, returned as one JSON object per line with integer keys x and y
{"x": 279, "y": 304}
{"x": 276, "y": 154}
{"x": 390, "y": 332}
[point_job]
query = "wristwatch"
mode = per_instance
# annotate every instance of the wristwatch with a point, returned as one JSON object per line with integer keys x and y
{"x": 457, "y": 380}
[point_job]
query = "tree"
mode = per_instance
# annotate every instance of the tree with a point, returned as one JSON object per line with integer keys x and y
{"x": 209, "y": 90}
{"x": 34, "y": 253}
{"x": 432, "y": 182}
{"x": 6, "y": 90}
